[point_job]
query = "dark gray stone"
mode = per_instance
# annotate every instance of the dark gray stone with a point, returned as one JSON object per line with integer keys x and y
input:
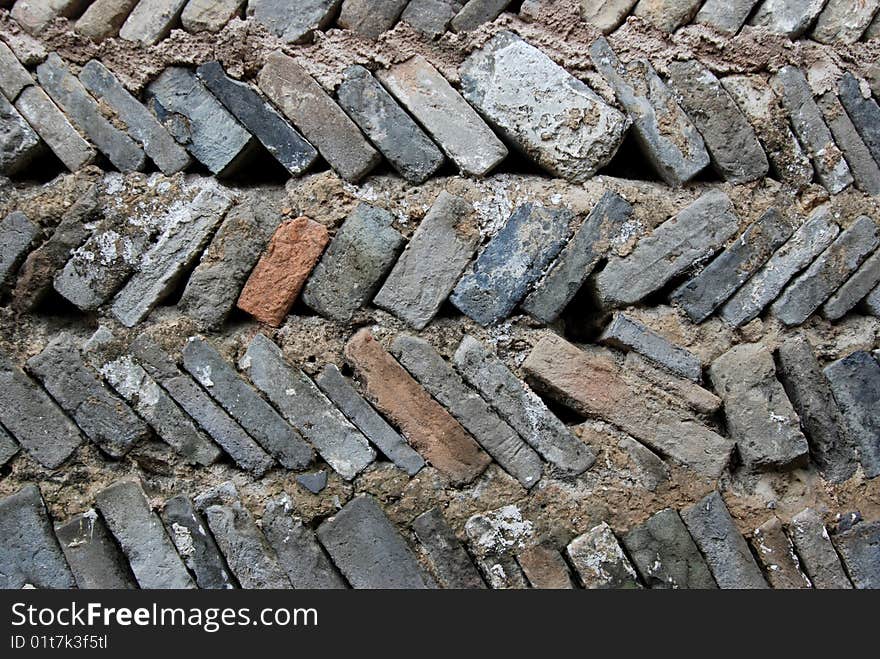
{"x": 854, "y": 289}
{"x": 19, "y": 144}
{"x": 431, "y": 17}
{"x": 860, "y": 549}
{"x": 865, "y": 171}
{"x": 293, "y": 22}
{"x": 17, "y": 236}
{"x": 476, "y": 12}
{"x": 280, "y": 138}
{"x": 92, "y": 554}
{"x": 628, "y": 334}
{"x": 406, "y": 146}
{"x": 314, "y": 482}
{"x": 139, "y": 531}
{"x": 600, "y": 562}
{"x": 244, "y": 404}
{"x": 726, "y": 16}
{"x": 721, "y": 543}
{"x": 8, "y": 447}
{"x": 370, "y": 18}
{"x": 863, "y": 111}
{"x": 701, "y": 295}
{"x": 360, "y": 413}
{"x": 368, "y": 550}
{"x": 448, "y": 559}
{"x": 512, "y": 261}
{"x": 777, "y": 556}
{"x": 814, "y": 548}
{"x": 665, "y": 555}
{"x": 188, "y": 531}
{"x": 353, "y": 267}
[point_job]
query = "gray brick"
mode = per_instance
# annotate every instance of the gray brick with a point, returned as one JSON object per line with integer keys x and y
{"x": 865, "y": 172}
{"x": 860, "y": 549}
{"x": 854, "y": 289}
{"x": 726, "y": 16}
{"x": 140, "y": 124}
{"x": 520, "y": 407}
{"x": 368, "y": 550}
{"x": 406, "y": 146}
{"x": 665, "y": 555}
{"x": 302, "y": 100}
{"x": 431, "y": 17}
{"x": 280, "y": 139}
{"x": 606, "y": 15}
{"x": 17, "y": 235}
{"x": 777, "y": 556}
{"x": 244, "y": 405}
{"x": 353, "y": 267}
{"x": 855, "y": 381}
{"x": 514, "y": 259}
{"x": 370, "y": 18}
{"x": 151, "y": 20}
{"x": 551, "y": 116}
{"x": 600, "y": 561}
{"x": 667, "y": 15}
{"x": 13, "y": 76}
{"x": 721, "y": 543}
{"x": 8, "y": 447}
{"x": 292, "y": 392}
{"x": 209, "y": 15}
{"x": 628, "y": 334}
{"x": 872, "y": 302}
{"x": 828, "y": 272}
{"x": 788, "y": 17}
{"x": 54, "y": 128}
{"x": 386, "y": 439}
{"x": 297, "y": 549}
{"x": 476, "y": 12}
{"x": 29, "y": 552}
{"x": 675, "y": 246}
{"x": 293, "y": 23}
{"x": 161, "y": 266}
{"x": 188, "y": 531}
{"x": 139, "y": 531}
{"x": 810, "y": 240}
{"x": 810, "y": 393}
{"x": 198, "y": 121}
{"x": 104, "y": 418}
{"x": 608, "y": 222}
{"x": 814, "y": 548}
{"x": 701, "y": 295}
{"x": 500, "y": 440}
{"x": 863, "y": 111}
{"x": 844, "y": 21}
{"x": 448, "y": 559}
{"x": 453, "y": 124}
{"x": 34, "y": 419}
{"x": 103, "y": 18}
{"x": 92, "y": 554}
{"x": 19, "y": 144}
{"x": 806, "y": 120}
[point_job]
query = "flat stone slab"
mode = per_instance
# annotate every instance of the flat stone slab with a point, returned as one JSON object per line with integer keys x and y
{"x": 429, "y": 428}
{"x": 245, "y": 405}
{"x": 280, "y": 138}
{"x": 701, "y": 295}
{"x": 521, "y": 408}
{"x": 777, "y": 555}
{"x": 667, "y": 137}
{"x": 139, "y": 532}
{"x": 820, "y": 560}
{"x": 843, "y": 21}
{"x": 807, "y": 242}
{"x": 400, "y": 139}
{"x": 314, "y": 482}
{"x": 731, "y": 141}
{"x": 280, "y": 274}
{"x": 545, "y": 568}
{"x": 450, "y": 563}
{"x": 436, "y": 255}
{"x": 498, "y": 439}
{"x": 855, "y": 381}
{"x": 794, "y": 91}
{"x": 791, "y": 18}
{"x": 196, "y": 546}
{"x": 854, "y": 289}
{"x": 351, "y": 270}
{"x": 34, "y": 419}
{"x": 863, "y": 111}
{"x": 514, "y": 259}
{"x": 92, "y": 554}
{"x": 453, "y": 124}
{"x": 664, "y": 554}
{"x": 726, "y": 16}
{"x": 554, "y": 118}
{"x": 606, "y": 15}
{"x": 19, "y": 144}
{"x": 103, "y": 18}
{"x": 368, "y": 550}
{"x": 722, "y": 545}
{"x": 828, "y": 272}
{"x": 104, "y": 417}
{"x": 431, "y": 17}
{"x": 672, "y": 248}
{"x": 600, "y": 562}
{"x": 865, "y": 171}
{"x": 339, "y": 442}
{"x": 370, "y": 18}
{"x": 594, "y": 384}
{"x": 608, "y": 223}
{"x": 343, "y": 394}
{"x": 297, "y": 548}
{"x": 151, "y": 20}
{"x": 860, "y": 549}
{"x": 476, "y": 12}
{"x": 810, "y": 393}
{"x": 322, "y": 122}
{"x": 209, "y": 15}
{"x": 188, "y": 230}
{"x": 17, "y": 235}
{"x": 29, "y": 553}
{"x": 293, "y": 23}
{"x": 198, "y": 121}
{"x": 13, "y": 76}
{"x": 629, "y": 334}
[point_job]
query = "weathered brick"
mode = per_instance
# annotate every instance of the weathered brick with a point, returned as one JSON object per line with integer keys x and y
{"x": 667, "y": 15}
{"x": 494, "y": 538}
{"x": 19, "y": 144}
{"x": 865, "y": 172}
{"x": 209, "y": 15}
{"x": 293, "y": 23}
{"x": 545, "y": 568}
{"x": 53, "y": 127}
{"x": 370, "y": 18}
{"x": 188, "y": 531}
{"x": 860, "y": 549}
{"x": 600, "y": 561}
{"x": 448, "y": 559}
{"x": 431, "y": 17}
{"x": 606, "y": 15}
{"x": 726, "y": 16}
{"x": 13, "y": 76}
{"x": 681, "y": 390}
{"x": 151, "y": 20}
{"x": 814, "y": 548}
{"x": 844, "y": 21}
{"x": 36, "y": 15}
{"x": 92, "y": 554}
{"x": 276, "y": 281}
{"x": 854, "y": 289}
{"x": 103, "y": 18}
{"x": 776, "y": 554}
{"x": 17, "y": 235}
{"x": 788, "y": 17}
{"x": 476, "y": 12}
{"x": 863, "y": 111}
{"x": 629, "y": 334}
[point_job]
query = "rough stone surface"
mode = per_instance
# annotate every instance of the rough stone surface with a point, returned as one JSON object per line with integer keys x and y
{"x": 667, "y": 15}
{"x": 151, "y": 20}
{"x": 863, "y": 111}
{"x": 844, "y": 21}
{"x": 19, "y": 144}
{"x": 92, "y": 554}
{"x": 550, "y": 115}
{"x": 667, "y": 137}
{"x": 279, "y": 276}
{"x": 545, "y": 568}
{"x": 53, "y": 127}
{"x": 35, "y": 15}
{"x": 293, "y": 23}
{"x": 494, "y": 538}
{"x": 721, "y": 543}
{"x": 406, "y": 146}
{"x": 103, "y": 18}
{"x": 13, "y": 76}
{"x": 450, "y": 563}
{"x": 820, "y": 560}
{"x": 788, "y": 17}
{"x": 600, "y": 561}
{"x": 606, "y": 15}
{"x": 370, "y": 18}
{"x": 314, "y": 482}
{"x": 431, "y": 17}
{"x": 189, "y": 532}
{"x": 854, "y": 289}
{"x": 673, "y": 247}
{"x": 453, "y": 124}
{"x": 865, "y": 172}
{"x": 726, "y": 16}
{"x": 209, "y": 15}
{"x": 860, "y": 549}
{"x": 8, "y": 447}
{"x": 512, "y": 261}
{"x": 368, "y": 550}
{"x": 776, "y": 554}
{"x": 324, "y": 124}
{"x": 353, "y": 267}
{"x": 17, "y": 236}
{"x": 476, "y": 12}
{"x": 628, "y": 334}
